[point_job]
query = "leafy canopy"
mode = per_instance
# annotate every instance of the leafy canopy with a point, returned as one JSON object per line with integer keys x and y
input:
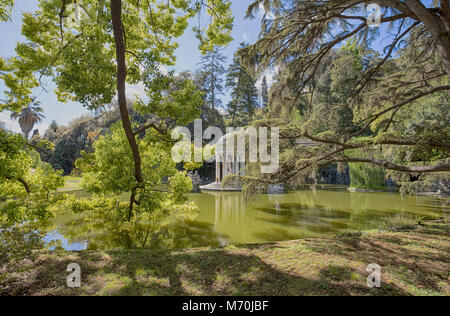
{"x": 108, "y": 173}
{"x": 80, "y": 57}
{"x": 27, "y": 185}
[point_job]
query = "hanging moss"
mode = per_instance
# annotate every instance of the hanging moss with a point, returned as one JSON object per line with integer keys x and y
{"x": 364, "y": 176}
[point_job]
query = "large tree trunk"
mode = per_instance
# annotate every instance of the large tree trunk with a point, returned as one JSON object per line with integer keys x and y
{"x": 443, "y": 45}
{"x": 116, "y": 15}
{"x": 438, "y": 27}
{"x": 444, "y": 40}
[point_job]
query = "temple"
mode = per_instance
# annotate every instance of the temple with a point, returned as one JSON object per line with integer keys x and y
{"x": 228, "y": 163}
{"x": 231, "y": 162}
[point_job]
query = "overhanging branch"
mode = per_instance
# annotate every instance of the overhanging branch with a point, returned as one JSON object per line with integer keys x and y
{"x": 443, "y": 167}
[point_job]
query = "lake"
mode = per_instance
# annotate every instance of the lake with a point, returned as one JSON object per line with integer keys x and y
{"x": 228, "y": 218}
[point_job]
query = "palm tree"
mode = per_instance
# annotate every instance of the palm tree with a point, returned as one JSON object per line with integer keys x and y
{"x": 29, "y": 116}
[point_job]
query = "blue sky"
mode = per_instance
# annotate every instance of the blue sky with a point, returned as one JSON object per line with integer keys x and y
{"x": 188, "y": 57}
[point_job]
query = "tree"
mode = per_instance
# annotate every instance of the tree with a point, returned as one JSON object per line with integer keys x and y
{"x": 28, "y": 117}
{"x": 368, "y": 89}
{"x": 53, "y": 126}
{"x": 81, "y": 60}
{"x": 244, "y": 93}
{"x": 28, "y": 192}
{"x": 264, "y": 93}
{"x": 5, "y": 9}
{"x": 103, "y": 175}
{"x": 210, "y": 116}
{"x": 28, "y": 186}
{"x": 69, "y": 141}
{"x": 211, "y": 76}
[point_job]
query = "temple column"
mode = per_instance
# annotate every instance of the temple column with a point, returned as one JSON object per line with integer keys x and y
{"x": 224, "y": 167}
{"x": 217, "y": 170}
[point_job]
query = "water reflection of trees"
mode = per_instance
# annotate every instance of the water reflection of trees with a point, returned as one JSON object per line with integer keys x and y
{"x": 139, "y": 234}
{"x": 326, "y": 213}
{"x": 270, "y": 218}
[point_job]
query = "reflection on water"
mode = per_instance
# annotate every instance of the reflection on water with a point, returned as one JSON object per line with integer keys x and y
{"x": 228, "y": 218}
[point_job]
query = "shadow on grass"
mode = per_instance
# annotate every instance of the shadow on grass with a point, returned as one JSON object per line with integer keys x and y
{"x": 420, "y": 260}
{"x": 413, "y": 263}
{"x": 212, "y": 272}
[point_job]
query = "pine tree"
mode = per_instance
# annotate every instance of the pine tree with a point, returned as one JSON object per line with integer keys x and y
{"x": 211, "y": 76}
{"x": 244, "y": 93}
{"x": 265, "y": 93}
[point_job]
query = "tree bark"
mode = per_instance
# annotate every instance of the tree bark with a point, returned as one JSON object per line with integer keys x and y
{"x": 23, "y": 182}
{"x": 116, "y": 15}
{"x": 436, "y": 26}
{"x": 25, "y": 185}
{"x": 443, "y": 45}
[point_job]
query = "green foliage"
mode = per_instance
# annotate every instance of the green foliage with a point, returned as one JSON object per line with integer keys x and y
{"x": 218, "y": 31}
{"x": 210, "y": 115}
{"x": 363, "y": 176}
{"x": 16, "y": 243}
{"x": 80, "y": 59}
{"x": 179, "y": 187}
{"x": 27, "y": 185}
{"x": 333, "y": 73}
{"x": 210, "y": 77}
{"x": 109, "y": 169}
{"x": 28, "y": 117}
{"x": 5, "y": 9}
{"x": 27, "y": 193}
{"x": 69, "y": 141}
{"x": 108, "y": 173}
{"x": 171, "y": 96}
{"x": 20, "y": 81}
{"x": 244, "y": 103}
{"x": 79, "y": 135}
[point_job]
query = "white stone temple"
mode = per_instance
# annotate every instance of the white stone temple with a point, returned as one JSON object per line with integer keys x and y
{"x": 231, "y": 158}
{"x": 228, "y": 162}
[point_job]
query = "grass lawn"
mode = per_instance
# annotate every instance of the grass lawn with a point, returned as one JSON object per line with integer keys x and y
{"x": 414, "y": 262}
{"x": 71, "y": 183}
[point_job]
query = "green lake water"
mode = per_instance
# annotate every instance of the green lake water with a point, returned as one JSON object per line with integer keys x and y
{"x": 228, "y": 218}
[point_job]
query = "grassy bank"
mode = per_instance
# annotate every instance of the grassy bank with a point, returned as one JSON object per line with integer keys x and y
{"x": 71, "y": 183}
{"x": 415, "y": 262}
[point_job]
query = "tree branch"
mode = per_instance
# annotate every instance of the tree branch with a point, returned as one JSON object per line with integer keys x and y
{"x": 373, "y": 117}
{"x": 444, "y": 167}
{"x": 22, "y": 181}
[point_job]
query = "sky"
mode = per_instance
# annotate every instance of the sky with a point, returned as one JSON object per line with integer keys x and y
{"x": 188, "y": 57}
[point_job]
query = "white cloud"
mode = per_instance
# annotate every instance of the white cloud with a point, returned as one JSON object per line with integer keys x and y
{"x": 10, "y": 124}
{"x": 245, "y": 37}
{"x": 136, "y": 90}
